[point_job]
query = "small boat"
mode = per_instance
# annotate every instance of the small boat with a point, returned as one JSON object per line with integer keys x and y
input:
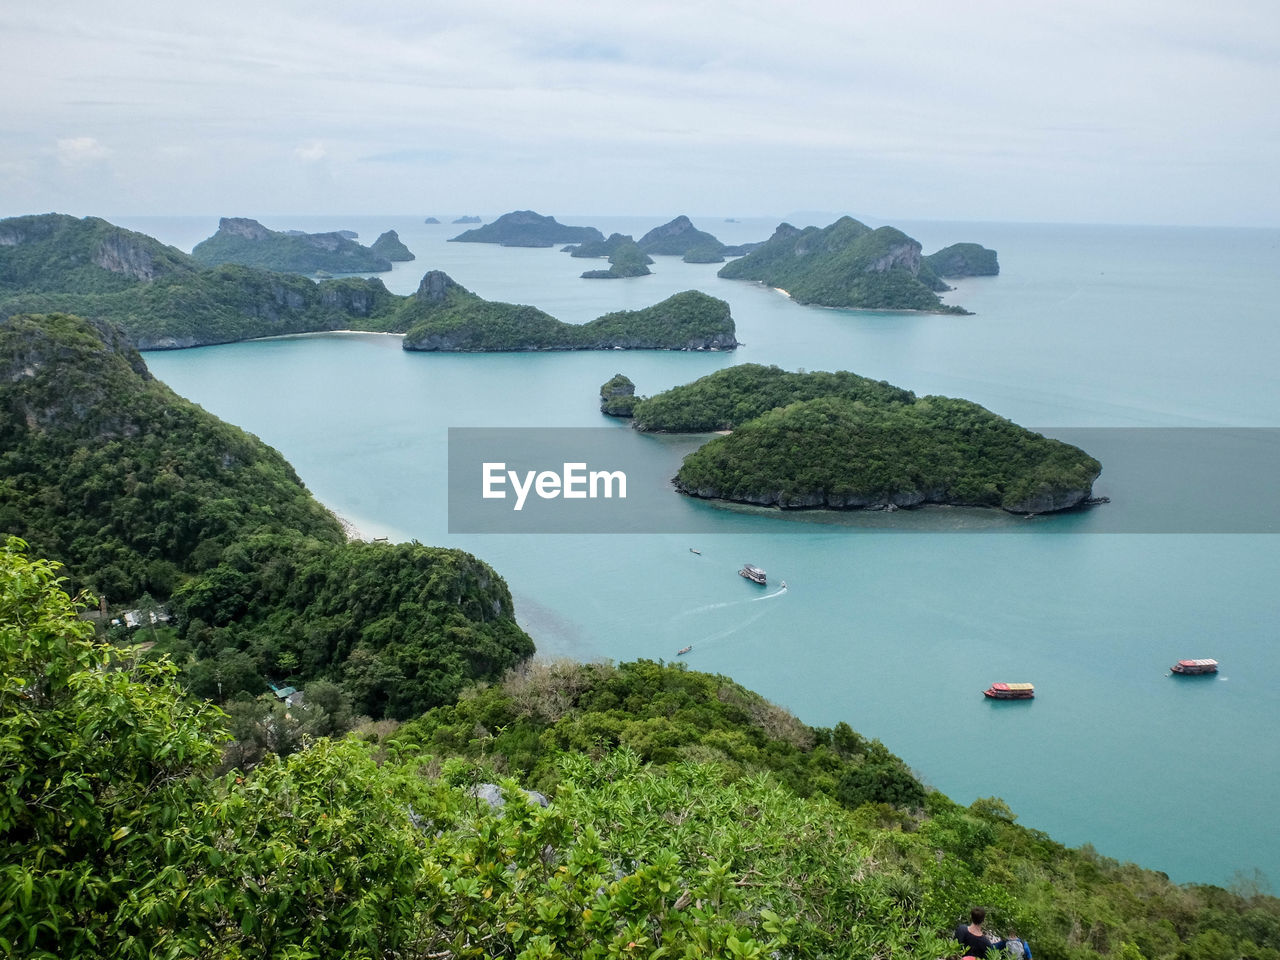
{"x": 752, "y": 573}
{"x": 694, "y": 550}
{"x": 683, "y": 650}
{"x": 1193, "y": 667}
{"x": 1010, "y": 691}
{"x": 784, "y": 584}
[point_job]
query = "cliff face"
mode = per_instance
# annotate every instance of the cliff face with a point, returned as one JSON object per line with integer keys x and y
{"x": 121, "y": 253}
{"x": 1048, "y": 501}
{"x": 61, "y": 373}
{"x": 617, "y": 396}
{"x": 239, "y": 303}
{"x": 54, "y": 252}
{"x": 243, "y": 228}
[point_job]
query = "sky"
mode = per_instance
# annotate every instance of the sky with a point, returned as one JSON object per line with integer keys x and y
{"x": 1096, "y": 111}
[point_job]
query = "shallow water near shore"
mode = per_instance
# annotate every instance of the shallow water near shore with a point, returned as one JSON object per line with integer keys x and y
{"x": 1087, "y": 327}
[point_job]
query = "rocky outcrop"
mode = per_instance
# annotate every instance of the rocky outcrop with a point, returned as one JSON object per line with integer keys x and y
{"x": 902, "y": 256}
{"x": 390, "y": 246}
{"x": 617, "y": 396}
{"x": 434, "y": 287}
{"x": 1048, "y": 501}
{"x": 360, "y": 300}
{"x": 247, "y": 229}
{"x": 121, "y": 253}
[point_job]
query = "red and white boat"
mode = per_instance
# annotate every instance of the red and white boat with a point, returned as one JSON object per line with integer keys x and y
{"x": 1192, "y": 667}
{"x": 1010, "y": 691}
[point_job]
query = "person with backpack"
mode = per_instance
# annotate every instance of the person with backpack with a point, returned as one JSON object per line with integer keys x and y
{"x": 1016, "y": 947}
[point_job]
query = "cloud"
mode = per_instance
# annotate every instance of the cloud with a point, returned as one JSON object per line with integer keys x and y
{"x": 81, "y": 151}
{"x": 312, "y": 152}
{"x": 410, "y": 156}
{"x": 1072, "y": 113}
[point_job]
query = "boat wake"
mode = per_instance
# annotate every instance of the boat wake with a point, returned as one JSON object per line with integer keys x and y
{"x": 706, "y": 608}
{"x": 723, "y": 634}
{"x": 699, "y": 642}
{"x": 771, "y": 596}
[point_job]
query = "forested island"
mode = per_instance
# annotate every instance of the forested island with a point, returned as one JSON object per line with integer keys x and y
{"x": 390, "y": 246}
{"x": 165, "y": 299}
{"x": 677, "y": 238}
{"x": 524, "y": 228}
{"x": 679, "y": 811}
{"x": 248, "y": 243}
{"x": 626, "y": 260}
{"x": 840, "y": 441}
{"x": 446, "y": 316}
{"x": 848, "y": 264}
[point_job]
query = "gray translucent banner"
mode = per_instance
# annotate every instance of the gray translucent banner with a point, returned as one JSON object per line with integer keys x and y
{"x": 616, "y": 480}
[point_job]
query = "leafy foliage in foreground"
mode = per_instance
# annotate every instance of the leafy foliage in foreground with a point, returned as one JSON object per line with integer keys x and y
{"x": 446, "y": 316}
{"x": 664, "y": 714}
{"x": 116, "y": 839}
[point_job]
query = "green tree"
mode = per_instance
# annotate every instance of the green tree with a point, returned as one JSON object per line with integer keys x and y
{"x": 100, "y": 758}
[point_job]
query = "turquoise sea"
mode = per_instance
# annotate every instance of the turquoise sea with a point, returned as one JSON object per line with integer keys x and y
{"x": 1086, "y": 327}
